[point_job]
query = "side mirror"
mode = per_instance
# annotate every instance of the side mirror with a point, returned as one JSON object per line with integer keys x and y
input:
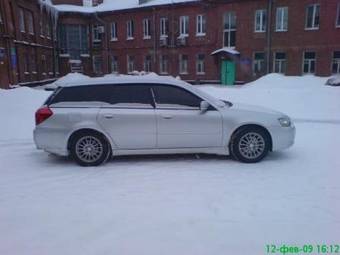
{"x": 204, "y": 106}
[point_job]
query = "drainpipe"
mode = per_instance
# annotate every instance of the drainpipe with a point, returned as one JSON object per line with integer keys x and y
{"x": 106, "y": 47}
{"x": 155, "y": 37}
{"x": 269, "y": 36}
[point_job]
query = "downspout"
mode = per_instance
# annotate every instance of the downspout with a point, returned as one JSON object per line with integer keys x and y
{"x": 106, "y": 47}
{"x": 155, "y": 36}
{"x": 269, "y": 36}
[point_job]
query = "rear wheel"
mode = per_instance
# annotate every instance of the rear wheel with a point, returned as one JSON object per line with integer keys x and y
{"x": 250, "y": 144}
{"x": 90, "y": 149}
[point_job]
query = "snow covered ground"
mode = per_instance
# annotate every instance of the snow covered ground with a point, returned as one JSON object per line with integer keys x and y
{"x": 175, "y": 204}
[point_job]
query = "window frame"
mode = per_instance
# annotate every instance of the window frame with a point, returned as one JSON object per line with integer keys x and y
{"x": 95, "y": 34}
{"x": 337, "y": 21}
{"x": 184, "y": 26}
{"x": 280, "y": 26}
{"x": 114, "y": 35}
{"x": 309, "y": 63}
{"x": 130, "y": 63}
{"x": 94, "y": 58}
{"x": 30, "y": 22}
{"x": 186, "y": 65}
{"x": 200, "y": 62}
{"x": 230, "y": 29}
{"x": 315, "y": 6}
{"x": 335, "y": 61}
{"x": 280, "y": 61}
{"x": 164, "y": 61}
{"x": 114, "y": 63}
{"x": 256, "y": 62}
{"x": 163, "y": 27}
{"x": 263, "y": 21}
{"x": 201, "y": 25}
{"x": 147, "y": 65}
{"x": 22, "y": 22}
{"x": 146, "y": 29}
{"x": 130, "y": 30}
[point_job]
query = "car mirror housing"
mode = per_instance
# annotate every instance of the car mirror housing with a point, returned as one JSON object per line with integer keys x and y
{"x": 204, "y": 106}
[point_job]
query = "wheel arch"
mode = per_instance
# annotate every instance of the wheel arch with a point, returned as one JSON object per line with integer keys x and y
{"x": 86, "y": 130}
{"x": 252, "y": 126}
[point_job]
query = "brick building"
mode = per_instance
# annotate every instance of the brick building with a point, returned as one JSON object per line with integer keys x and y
{"x": 199, "y": 40}
{"x": 27, "y": 43}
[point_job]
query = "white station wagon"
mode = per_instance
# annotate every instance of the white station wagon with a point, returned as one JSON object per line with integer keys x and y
{"x": 98, "y": 118}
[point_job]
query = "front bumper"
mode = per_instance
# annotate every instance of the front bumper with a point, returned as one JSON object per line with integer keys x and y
{"x": 282, "y": 137}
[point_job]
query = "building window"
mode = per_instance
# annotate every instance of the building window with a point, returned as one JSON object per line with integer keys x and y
{"x": 130, "y": 30}
{"x": 48, "y": 29}
{"x": 260, "y": 21}
{"x": 338, "y": 16}
{"x": 97, "y": 64}
{"x": 309, "y": 61}
{"x": 282, "y": 19}
{"x": 33, "y": 61}
{"x": 114, "y": 31}
{"x": 130, "y": 64}
{"x": 43, "y": 65}
{"x": 280, "y": 62}
{"x": 200, "y": 25}
{"x": 96, "y": 29}
{"x": 147, "y": 64}
{"x": 146, "y": 29}
{"x": 313, "y": 16}
{"x": 164, "y": 27}
{"x": 163, "y": 64}
{"x": 259, "y": 63}
{"x": 336, "y": 62}
{"x": 183, "y": 64}
{"x": 200, "y": 68}
{"x": 184, "y": 26}
{"x": 30, "y": 23}
{"x": 87, "y": 3}
{"x": 22, "y": 20}
{"x": 229, "y": 31}
{"x": 114, "y": 64}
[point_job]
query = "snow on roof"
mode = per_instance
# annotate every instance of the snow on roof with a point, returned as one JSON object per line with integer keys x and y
{"x": 114, "y": 5}
{"x": 226, "y": 50}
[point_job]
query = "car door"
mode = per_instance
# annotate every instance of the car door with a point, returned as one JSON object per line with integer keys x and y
{"x": 130, "y": 117}
{"x": 181, "y": 124}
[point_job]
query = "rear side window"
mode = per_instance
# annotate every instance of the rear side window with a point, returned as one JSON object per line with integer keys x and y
{"x": 172, "y": 97}
{"x": 127, "y": 95}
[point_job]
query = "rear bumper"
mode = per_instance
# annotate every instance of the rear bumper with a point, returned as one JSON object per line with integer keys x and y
{"x": 283, "y": 137}
{"x": 50, "y": 140}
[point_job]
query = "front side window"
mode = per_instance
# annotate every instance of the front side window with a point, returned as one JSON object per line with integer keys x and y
{"x": 309, "y": 62}
{"x": 280, "y": 62}
{"x": 97, "y": 64}
{"x": 114, "y": 31}
{"x": 22, "y": 20}
{"x": 313, "y": 16}
{"x": 147, "y": 64}
{"x": 200, "y": 68}
{"x": 200, "y": 25}
{"x": 130, "y": 29}
{"x": 131, "y": 64}
{"x": 30, "y": 23}
{"x": 163, "y": 64}
{"x": 169, "y": 97}
{"x": 259, "y": 62}
{"x": 282, "y": 19}
{"x": 164, "y": 27}
{"x": 260, "y": 21}
{"x": 229, "y": 29}
{"x": 183, "y": 64}
{"x": 114, "y": 64}
{"x": 184, "y": 25}
{"x": 146, "y": 29}
{"x": 336, "y": 62}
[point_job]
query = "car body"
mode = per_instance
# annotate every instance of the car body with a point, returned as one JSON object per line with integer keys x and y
{"x": 153, "y": 115}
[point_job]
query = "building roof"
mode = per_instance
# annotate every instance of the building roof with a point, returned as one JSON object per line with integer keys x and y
{"x": 114, "y": 5}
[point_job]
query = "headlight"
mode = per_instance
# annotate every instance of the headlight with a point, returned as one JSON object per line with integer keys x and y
{"x": 285, "y": 122}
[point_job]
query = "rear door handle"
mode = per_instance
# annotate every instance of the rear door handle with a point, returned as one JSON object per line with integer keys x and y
{"x": 167, "y": 117}
{"x": 108, "y": 116}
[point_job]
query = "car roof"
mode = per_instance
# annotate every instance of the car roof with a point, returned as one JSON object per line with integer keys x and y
{"x": 123, "y": 79}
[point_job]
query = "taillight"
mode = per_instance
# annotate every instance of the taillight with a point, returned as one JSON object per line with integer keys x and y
{"x": 42, "y": 114}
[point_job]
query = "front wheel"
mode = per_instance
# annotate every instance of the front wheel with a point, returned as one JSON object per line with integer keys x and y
{"x": 90, "y": 149}
{"x": 250, "y": 145}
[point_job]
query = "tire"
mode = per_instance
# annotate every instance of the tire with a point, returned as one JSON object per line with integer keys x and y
{"x": 90, "y": 149}
{"x": 250, "y": 144}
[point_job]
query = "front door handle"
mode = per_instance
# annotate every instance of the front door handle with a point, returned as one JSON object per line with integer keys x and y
{"x": 108, "y": 116}
{"x": 167, "y": 117}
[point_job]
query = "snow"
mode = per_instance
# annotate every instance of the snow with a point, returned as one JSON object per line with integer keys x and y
{"x": 226, "y": 50}
{"x": 115, "y": 5}
{"x": 175, "y": 204}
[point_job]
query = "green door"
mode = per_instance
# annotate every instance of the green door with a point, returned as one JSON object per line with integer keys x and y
{"x": 228, "y": 70}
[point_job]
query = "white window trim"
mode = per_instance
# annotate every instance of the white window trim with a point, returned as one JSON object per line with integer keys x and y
{"x": 161, "y": 71}
{"x": 274, "y": 62}
{"x": 95, "y": 27}
{"x": 116, "y": 63}
{"x": 199, "y": 25}
{"x": 129, "y": 28}
{"x": 229, "y": 29}
{"x": 146, "y": 32}
{"x": 114, "y": 38}
{"x": 182, "y": 19}
{"x": 309, "y": 60}
{"x": 128, "y": 65}
{"x": 180, "y": 65}
{"x": 197, "y": 64}
{"x": 282, "y": 29}
{"x": 162, "y": 27}
{"x": 314, "y": 15}
{"x": 263, "y": 29}
{"x": 338, "y": 17}
{"x": 255, "y": 61}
